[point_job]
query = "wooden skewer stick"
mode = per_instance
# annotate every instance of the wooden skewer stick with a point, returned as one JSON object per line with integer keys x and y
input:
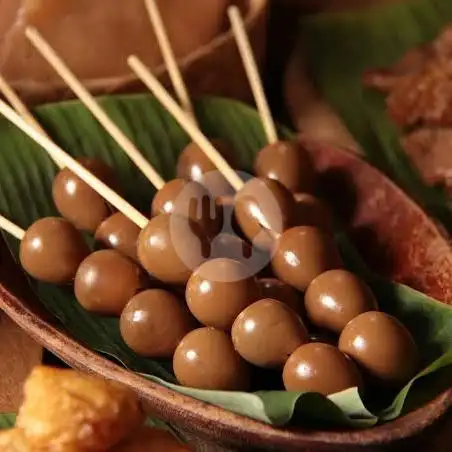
{"x": 170, "y": 59}
{"x": 93, "y": 106}
{"x": 13, "y": 98}
{"x": 11, "y": 228}
{"x": 58, "y": 154}
{"x": 252, "y": 72}
{"x": 184, "y": 120}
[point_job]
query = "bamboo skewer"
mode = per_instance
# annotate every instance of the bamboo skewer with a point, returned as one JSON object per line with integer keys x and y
{"x": 170, "y": 59}
{"x": 58, "y": 154}
{"x": 16, "y": 102}
{"x": 252, "y": 72}
{"x": 93, "y": 106}
{"x": 184, "y": 120}
{"x": 11, "y": 228}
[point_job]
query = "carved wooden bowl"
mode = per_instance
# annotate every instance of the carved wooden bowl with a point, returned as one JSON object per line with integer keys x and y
{"x": 203, "y": 70}
{"x": 395, "y": 238}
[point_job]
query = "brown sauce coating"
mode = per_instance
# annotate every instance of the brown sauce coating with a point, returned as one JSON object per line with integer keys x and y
{"x": 287, "y": 162}
{"x": 267, "y": 333}
{"x": 264, "y": 204}
{"x": 303, "y": 253}
{"x": 191, "y": 200}
{"x": 193, "y": 164}
{"x": 78, "y": 202}
{"x": 52, "y": 250}
{"x": 320, "y": 368}
{"x": 119, "y": 233}
{"x": 105, "y": 282}
{"x": 154, "y": 322}
{"x": 206, "y": 359}
{"x": 382, "y": 346}
{"x": 336, "y": 297}
{"x": 278, "y": 290}
{"x": 170, "y": 248}
{"x": 219, "y": 290}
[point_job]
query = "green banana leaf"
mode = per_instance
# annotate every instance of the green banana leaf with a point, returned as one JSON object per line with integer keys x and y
{"x": 339, "y": 47}
{"x": 7, "y": 420}
{"x": 26, "y": 175}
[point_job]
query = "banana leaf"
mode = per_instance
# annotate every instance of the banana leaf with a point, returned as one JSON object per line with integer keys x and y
{"x": 339, "y": 47}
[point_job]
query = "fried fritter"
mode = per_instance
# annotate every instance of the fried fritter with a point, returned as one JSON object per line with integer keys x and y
{"x": 13, "y": 440}
{"x": 63, "y": 408}
{"x": 419, "y": 86}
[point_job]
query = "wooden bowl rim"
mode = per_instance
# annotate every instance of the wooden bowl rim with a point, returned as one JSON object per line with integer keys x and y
{"x": 254, "y": 10}
{"x": 209, "y": 420}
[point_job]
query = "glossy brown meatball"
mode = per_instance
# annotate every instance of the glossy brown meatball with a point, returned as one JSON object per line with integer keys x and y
{"x": 277, "y": 290}
{"x": 119, "y": 233}
{"x": 170, "y": 248}
{"x": 154, "y": 322}
{"x": 191, "y": 200}
{"x": 320, "y": 368}
{"x": 78, "y": 202}
{"x": 287, "y": 162}
{"x": 52, "y": 250}
{"x": 262, "y": 205}
{"x": 267, "y": 332}
{"x": 303, "y": 253}
{"x": 193, "y": 164}
{"x": 206, "y": 359}
{"x": 312, "y": 211}
{"x": 336, "y": 297}
{"x": 105, "y": 282}
{"x": 219, "y": 290}
{"x": 382, "y": 346}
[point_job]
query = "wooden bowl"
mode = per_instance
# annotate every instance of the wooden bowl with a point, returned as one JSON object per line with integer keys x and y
{"x": 400, "y": 241}
{"x": 203, "y": 70}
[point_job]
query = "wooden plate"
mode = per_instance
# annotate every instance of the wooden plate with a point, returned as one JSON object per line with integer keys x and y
{"x": 396, "y": 238}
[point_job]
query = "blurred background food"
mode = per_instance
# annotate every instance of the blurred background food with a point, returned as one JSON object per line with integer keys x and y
{"x": 64, "y": 410}
{"x": 72, "y": 27}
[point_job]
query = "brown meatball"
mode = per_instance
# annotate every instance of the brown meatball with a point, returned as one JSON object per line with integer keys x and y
{"x": 170, "y": 248}
{"x": 193, "y": 164}
{"x": 191, "y": 200}
{"x": 267, "y": 332}
{"x": 264, "y": 205}
{"x": 336, "y": 297}
{"x": 219, "y": 290}
{"x": 52, "y": 250}
{"x": 287, "y": 162}
{"x": 206, "y": 359}
{"x": 154, "y": 322}
{"x": 320, "y": 368}
{"x": 105, "y": 282}
{"x": 77, "y": 201}
{"x": 382, "y": 346}
{"x": 119, "y": 233}
{"x": 303, "y": 253}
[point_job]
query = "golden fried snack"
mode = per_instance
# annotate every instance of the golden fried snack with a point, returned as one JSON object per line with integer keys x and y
{"x": 151, "y": 440}
{"x": 65, "y": 409}
{"x": 13, "y": 440}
